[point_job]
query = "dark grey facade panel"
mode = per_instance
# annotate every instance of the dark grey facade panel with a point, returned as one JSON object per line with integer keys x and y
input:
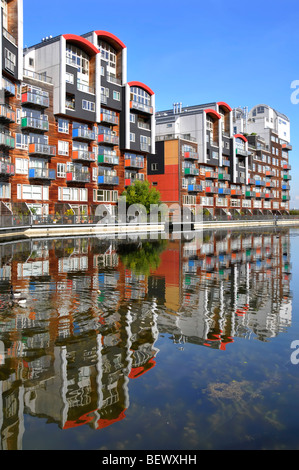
{"x": 157, "y": 159}
{"x": 14, "y": 50}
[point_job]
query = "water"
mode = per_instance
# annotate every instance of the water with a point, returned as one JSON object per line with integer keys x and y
{"x": 128, "y": 345}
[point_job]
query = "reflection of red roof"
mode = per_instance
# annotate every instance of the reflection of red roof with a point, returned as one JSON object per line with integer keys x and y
{"x": 103, "y": 423}
{"x": 138, "y": 371}
{"x": 81, "y": 42}
{"x": 84, "y": 419}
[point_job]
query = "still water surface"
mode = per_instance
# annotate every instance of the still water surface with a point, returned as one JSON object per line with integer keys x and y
{"x": 125, "y": 345}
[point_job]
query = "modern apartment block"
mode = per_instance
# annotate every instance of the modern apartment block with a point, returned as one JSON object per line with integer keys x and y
{"x": 210, "y": 155}
{"x": 75, "y": 132}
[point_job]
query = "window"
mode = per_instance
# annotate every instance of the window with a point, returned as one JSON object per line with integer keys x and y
{"x": 21, "y": 166}
{"x": 69, "y": 78}
{"x": 108, "y": 53}
{"x": 31, "y": 62}
{"x": 140, "y": 96}
{"x": 63, "y": 148}
{"x": 4, "y": 191}
{"x": 10, "y": 60}
{"x": 63, "y": 126}
{"x": 27, "y": 191}
{"x": 154, "y": 166}
{"x": 100, "y": 195}
{"x": 116, "y": 95}
{"x": 61, "y": 173}
{"x": 88, "y": 106}
{"x": 132, "y": 117}
{"x": 72, "y": 194}
{"x": 132, "y": 137}
{"x": 77, "y": 58}
{"x": 22, "y": 141}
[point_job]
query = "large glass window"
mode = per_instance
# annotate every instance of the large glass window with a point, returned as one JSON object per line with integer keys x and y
{"x": 140, "y": 96}
{"x": 79, "y": 59}
{"x": 108, "y": 53}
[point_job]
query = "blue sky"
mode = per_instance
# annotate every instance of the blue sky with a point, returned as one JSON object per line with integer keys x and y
{"x": 243, "y": 53}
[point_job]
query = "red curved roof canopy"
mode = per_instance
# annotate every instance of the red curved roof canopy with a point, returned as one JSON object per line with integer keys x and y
{"x": 240, "y": 136}
{"x": 115, "y": 42}
{"x": 212, "y": 111}
{"x": 81, "y": 42}
{"x": 224, "y": 105}
{"x": 141, "y": 85}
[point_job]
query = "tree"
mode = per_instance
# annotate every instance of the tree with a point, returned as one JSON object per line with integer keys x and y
{"x": 140, "y": 192}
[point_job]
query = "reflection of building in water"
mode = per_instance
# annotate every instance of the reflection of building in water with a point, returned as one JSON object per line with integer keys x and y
{"x": 94, "y": 313}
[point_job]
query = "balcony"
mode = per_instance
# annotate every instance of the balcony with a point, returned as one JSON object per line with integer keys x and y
{"x": 196, "y": 188}
{"x": 141, "y": 107}
{"x": 40, "y": 99}
{"x": 225, "y": 162}
{"x": 287, "y": 167}
{"x": 287, "y": 177}
{"x": 9, "y": 87}
{"x": 7, "y": 114}
{"x": 249, "y": 193}
{"x": 35, "y": 123}
{"x": 108, "y": 139}
{"x": 211, "y": 189}
{"x": 260, "y": 195}
{"x": 269, "y": 196}
{"x": 270, "y": 184}
{"x": 270, "y": 173}
{"x": 260, "y": 183}
{"x": 81, "y": 133}
{"x": 191, "y": 171}
{"x": 7, "y": 141}
{"x": 251, "y": 181}
{"x": 84, "y": 156}
{"x": 224, "y": 191}
{"x": 285, "y": 187}
{"x": 109, "y": 118}
{"x": 236, "y": 192}
{"x": 107, "y": 179}
{"x": 286, "y": 197}
{"x": 42, "y": 173}
{"x": 77, "y": 176}
{"x": 224, "y": 176}
{"x": 43, "y": 150}
{"x": 212, "y": 174}
{"x": 287, "y": 147}
{"x": 191, "y": 155}
{"x": 110, "y": 158}
{"x": 7, "y": 169}
{"x": 145, "y": 147}
{"x": 85, "y": 88}
{"x": 134, "y": 162}
{"x": 241, "y": 152}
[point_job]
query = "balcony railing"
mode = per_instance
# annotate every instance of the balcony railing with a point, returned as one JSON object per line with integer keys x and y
{"x": 211, "y": 189}
{"x": 225, "y": 162}
{"x": 287, "y": 167}
{"x": 84, "y": 155}
{"x": 9, "y": 36}
{"x": 145, "y": 147}
{"x": 286, "y": 198}
{"x": 108, "y": 158}
{"x": 112, "y": 79}
{"x": 134, "y": 162}
{"x": 6, "y": 140}
{"x": 107, "y": 179}
{"x": 285, "y": 187}
{"x": 110, "y": 118}
{"x": 191, "y": 155}
{"x": 260, "y": 183}
{"x": 243, "y": 153}
{"x": 9, "y": 87}
{"x": 196, "y": 188}
{"x": 191, "y": 171}
{"x": 236, "y": 192}
{"x": 7, "y": 169}
{"x": 287, "y": 177}
{"x": 36, "y": 99}
{"x": 249, "y": 194}
{"x": 108, "y": 139}
{"x": 269, "y": 195}
{"x": 270, "y": 173}
{"x": 141, "y": 107}
{"x": 224, "y": 176}
{"x": 35, "y": 123}
{"x": 83, "y": 134}
{"x": 7, "y": 114}
{"x": 224, "y": 191}
{"x": 42, "y": 173}
{"x": 85, "y": 88}
{"x": 211, "y": 174}
{"x": 78, "y": 177}
{"x": 42, "y": 150}
{"x": 41, "y": 77}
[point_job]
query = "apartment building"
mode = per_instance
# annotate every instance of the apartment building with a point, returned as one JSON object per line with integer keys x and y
{"x": 75, "y": 132}
{"x": 204, "y": 156}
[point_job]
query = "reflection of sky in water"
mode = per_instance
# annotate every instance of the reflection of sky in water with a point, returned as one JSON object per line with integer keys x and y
{"x": 155, "y": 346}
